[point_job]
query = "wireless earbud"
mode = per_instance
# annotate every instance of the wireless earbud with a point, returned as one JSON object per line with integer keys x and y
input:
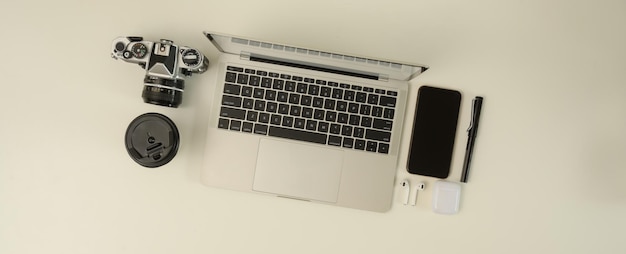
{"x": 406, "y": 190}
{"x": 420, "y": 186}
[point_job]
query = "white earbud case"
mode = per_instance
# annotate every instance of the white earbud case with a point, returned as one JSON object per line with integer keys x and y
{"x": 446, "y": 197}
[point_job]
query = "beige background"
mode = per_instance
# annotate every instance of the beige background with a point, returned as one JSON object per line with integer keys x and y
{"x": 548, "y": 174}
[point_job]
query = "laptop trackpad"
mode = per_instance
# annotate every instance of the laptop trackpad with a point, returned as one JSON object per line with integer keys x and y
{"x": 299, "y": 171}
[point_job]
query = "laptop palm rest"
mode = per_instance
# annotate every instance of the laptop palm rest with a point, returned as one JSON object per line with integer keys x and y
{"x": 299, "y": 171}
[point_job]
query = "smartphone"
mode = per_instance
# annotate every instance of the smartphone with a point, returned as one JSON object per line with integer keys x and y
{"x": 434, "y": 131}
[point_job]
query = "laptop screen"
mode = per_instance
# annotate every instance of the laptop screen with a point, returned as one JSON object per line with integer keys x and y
{"x": 365, "y": 67}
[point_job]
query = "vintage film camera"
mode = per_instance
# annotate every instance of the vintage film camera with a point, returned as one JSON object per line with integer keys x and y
{"x": 166, "y": 66}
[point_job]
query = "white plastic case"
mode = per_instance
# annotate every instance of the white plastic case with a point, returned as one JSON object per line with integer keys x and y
{"x": 446, "y": 197}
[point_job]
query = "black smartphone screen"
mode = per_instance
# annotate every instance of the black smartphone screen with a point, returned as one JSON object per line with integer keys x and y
{"x": 434, "y": 130}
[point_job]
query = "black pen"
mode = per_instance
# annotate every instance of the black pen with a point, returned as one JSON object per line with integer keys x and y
{"x": 477, "y": 104}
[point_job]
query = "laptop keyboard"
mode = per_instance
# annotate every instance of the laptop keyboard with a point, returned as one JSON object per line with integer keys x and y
{"x": 306, "y": 109}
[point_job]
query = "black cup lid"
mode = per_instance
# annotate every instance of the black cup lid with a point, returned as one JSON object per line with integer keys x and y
{"x": 152, "y": 140}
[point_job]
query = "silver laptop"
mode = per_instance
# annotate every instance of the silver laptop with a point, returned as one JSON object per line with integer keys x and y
{"x": 306, "y": 124}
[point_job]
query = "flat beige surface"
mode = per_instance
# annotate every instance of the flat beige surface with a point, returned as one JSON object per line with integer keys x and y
{"x": 548, "y": 176}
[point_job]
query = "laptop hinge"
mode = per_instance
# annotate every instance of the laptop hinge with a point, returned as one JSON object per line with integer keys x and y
{"x": 383, "y": 77}
{"x": 244, "y": 55}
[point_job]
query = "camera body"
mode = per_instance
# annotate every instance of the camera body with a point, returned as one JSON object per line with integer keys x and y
{"x": 166, "y": 66}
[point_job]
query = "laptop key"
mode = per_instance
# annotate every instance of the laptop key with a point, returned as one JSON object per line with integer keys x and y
{"x": 294, "y": 98}
{"x": 290, "y": 86}
{"x": 252, "y": 116}
{"x": 346, "y": 130}
{"x": 295, "y": 110}
{"x": 307, "y": 112}
{"x": 329, "y": 104}
{"x": 223, "y": 123}
{"x": 349, "y": 95}
{"x": 353, "y": 108}
{"x": 275, "y": 119}
{"x": 387, "y": 101}
{"x": 271, "y": 107}
{"x": 301, "y": 135}
{"x": 335, "y": 128}
{"x": 254, "y": 80}
{"x": 258, "y": 93}
{"x": 372, "y": 99}
{"x": 233, "y": 68}
{"x": 388, "y": 113}
{"x": 283, "y": 108}
{"x": 248, "y": 103}
{"x": 337, "y": 93}
{"x": 318, "y": 102}
{"x": 299, "y": 123}
{"x": 266, "y": 82}
{"x": 342, "y": 118}
{"x": 231, "y": 77}
{"x": 287, "y": 121}
{"x": 377, "y": 111}
{"x": 325, "y": 91}
{"x": 242, "y": 79}
{"x": 235, "y": 125}
{"x": 314, "y": 90}
{"x": 260, "y": 129}
{"x": 366, "y": 109}
{"x": 278, "y": 84}
{"x": 305, "y": 100}
{"x": 334, "y": 140}
{"x": 359, "y": 144}
{"x": 264, "y": 117}
{"x": 378, "y": 135}
{"x": 361, "y": 97}
{"x": 259, "y": 105}
{"x": 318, "y": 114}
{"x": 366, "y": 121}
{"x": 282, "y": 97}
{"x": 358, "y": 132}
{"x": 382, "y": 124}
{"x": 383, "y": 148}
{"x": 231, "y": 101}
{"x": 331, "y": 116}
{"x": 233, "y": 113}
{"x": 246, "y": 127}
{"x": 311, "y": 125}
{"x": 322, "y": 127}
{"x": 246, "y": 91}
{"x": 371, "y": 146}
{"x": 342, "y": 106}
{"x": 354, "y": 120}
{"x": 301, "y": 88}
{"x": 348, "y": 142}
{"x": 270, "y": 95}
{"x": 232, "y": 89}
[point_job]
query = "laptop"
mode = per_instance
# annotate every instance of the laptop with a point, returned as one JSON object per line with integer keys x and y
{"x": 306, "y": 124}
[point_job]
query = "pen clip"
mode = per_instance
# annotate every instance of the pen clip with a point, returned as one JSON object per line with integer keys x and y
{"x": 473, "y": 115}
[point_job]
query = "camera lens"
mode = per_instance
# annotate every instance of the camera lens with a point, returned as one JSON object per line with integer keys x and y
{"x": 164, "y": 92}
